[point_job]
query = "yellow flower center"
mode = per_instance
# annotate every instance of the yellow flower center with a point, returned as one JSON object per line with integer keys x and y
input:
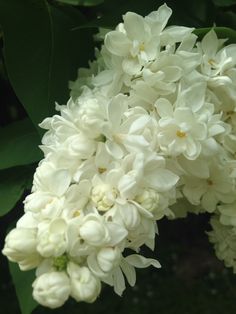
{"x": 141, "y": 47}
{"x": 76, "y": 213}
{"x": 209, "y": 182}
{"x": 181, "y": 134}
{"x": 212, "y": 62}
{"x": 101, "y": 170}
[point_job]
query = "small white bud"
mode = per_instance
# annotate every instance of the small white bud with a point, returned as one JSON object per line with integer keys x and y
{"x": 81, "y": 146}
{"x": 94, "y": 231}
{"x": 149, "y": 199}
{"x": 108, "y": 258}
{"x": 84, "y": 285}
{"x": 52, "y": 289}
{"x": 130, "y": 215}
{"x": 51, "y": 238}
{"x": 20, "y": 247}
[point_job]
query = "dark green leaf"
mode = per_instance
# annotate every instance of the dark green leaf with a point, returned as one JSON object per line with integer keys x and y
{"x": 41, "y": 53}
{"x": 12, "y": 185}
{"x": 222, "y": 32}
{"x": 23, "y": 285}
{"x": 188, "y": 13}
{"x": 226, "y": 19}
{"x": 82, "y": 2}
{"x": 19, "y": 144}
{"x": 224, "y": 3}
{"x": 199, "y": 13}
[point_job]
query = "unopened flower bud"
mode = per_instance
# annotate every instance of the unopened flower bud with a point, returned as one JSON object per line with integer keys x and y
{"x": 149, "y": 199}
{"x": 51, "y": 238}
{"x": 52, "y": 289}
{"x": 94, "y": 231}
{"x": 108, "y": 258}
{"x": 84, "y": 285}
{"x": 20, "y": 247}
{"x": 81, "y": 146}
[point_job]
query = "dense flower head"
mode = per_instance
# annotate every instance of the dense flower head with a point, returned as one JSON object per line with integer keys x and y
{"x": 150, "y": 124}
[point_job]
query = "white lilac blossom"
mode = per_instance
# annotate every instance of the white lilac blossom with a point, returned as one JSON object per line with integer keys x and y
{"x": 84, "y": 285}
{"x": 223, "y": 238}
{"x": 149, "y": 132}
{"x": 20, "y": 247}
{"x": 52, "y": 289}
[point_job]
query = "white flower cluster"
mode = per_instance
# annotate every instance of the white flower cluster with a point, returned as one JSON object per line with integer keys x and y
{"x": 223, "y": 238}
{"x": 152, "y": 122}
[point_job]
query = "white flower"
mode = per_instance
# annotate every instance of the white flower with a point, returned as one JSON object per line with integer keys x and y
{"x": 229, "y": 142}
{"x": 130, "y": 216}
{"x": 27, "y": 220}
{"x": 86, "y": 75}
{"x": 91, "y": 113}
{"x": 179, "y": 131}
{"x": 103, "y": 197}
{"x": 224, "y": 241}
{"x": 137, "y": 40}
{"x": 149, "y": 199}
{"x": 94, "y": 231}
{"x": 108, "y": 258}
{"x": 51, "y": 180}
{"x": 52, "y": 289}
{"x": 216, "y": 60}
{"x": 155, "y": 205}
{"x": 218, "y": 67}
{"x": 77, "y": 246}
{"x": 80, "y": 146}
{"x": 84, "y": 285}
{"x": 145, "y": 171}
{"x": 44, "y": 205}
{"x": 62, "y": 158}
{"x": 127, "y": 266}
{"x": 20, "y": 247}
{"x": 228, "y": 214}
{"x": 105, "y": 191}
{"x": 144, "y": 234}
{"x": 127, "y": 130}
{"x": 77, "y": 197}
{"x": 59, "y": 129}
{"x": 51, "y": 237}
{"x": 209, "y": 191}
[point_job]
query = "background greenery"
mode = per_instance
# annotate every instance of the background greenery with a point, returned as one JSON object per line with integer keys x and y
{"x": 42, "y": 44}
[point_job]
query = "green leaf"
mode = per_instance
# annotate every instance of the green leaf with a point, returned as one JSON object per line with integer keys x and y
{"x": 187, "y": 13}
{"x": 19, "y": 144}
{"x": 12, "y": 185}
{"x": 41, "y": 53}
{"x": 82, "y": 2}
{"x": 23, "y": 285}
{"x": 224, "y": 3}
{"x": 226, "y": 19}
{"x": 222, "y": 32}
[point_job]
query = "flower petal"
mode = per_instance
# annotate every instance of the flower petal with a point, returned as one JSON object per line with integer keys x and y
{"x": 141, "y": 261}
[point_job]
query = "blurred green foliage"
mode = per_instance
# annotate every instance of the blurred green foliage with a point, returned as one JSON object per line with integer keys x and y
{"x": 42, "y": 44}
{"x": 82, "y": 2}
{"x": 224, "y": 3}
